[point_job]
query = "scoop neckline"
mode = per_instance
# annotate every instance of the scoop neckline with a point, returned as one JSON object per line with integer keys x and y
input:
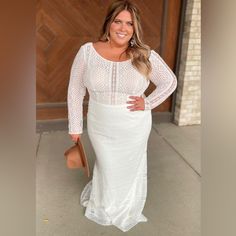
{"x": 91, "y": 43}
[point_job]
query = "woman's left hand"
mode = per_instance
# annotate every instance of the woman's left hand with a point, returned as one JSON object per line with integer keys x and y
{"x": 138, "y": 103}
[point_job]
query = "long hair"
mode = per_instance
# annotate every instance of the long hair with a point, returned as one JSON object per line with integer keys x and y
{"x": 137, "y": 50}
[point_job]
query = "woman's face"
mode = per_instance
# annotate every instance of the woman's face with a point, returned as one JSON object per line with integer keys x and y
{"x": 121, "y": 29}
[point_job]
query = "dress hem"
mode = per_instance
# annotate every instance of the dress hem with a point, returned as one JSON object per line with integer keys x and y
{"x": 139, "y": 219}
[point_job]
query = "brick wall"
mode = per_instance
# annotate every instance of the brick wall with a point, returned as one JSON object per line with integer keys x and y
{"x": 188, "y": 97}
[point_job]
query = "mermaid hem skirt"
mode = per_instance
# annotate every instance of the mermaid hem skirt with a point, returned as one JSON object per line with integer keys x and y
{"x": 116, "y": 195}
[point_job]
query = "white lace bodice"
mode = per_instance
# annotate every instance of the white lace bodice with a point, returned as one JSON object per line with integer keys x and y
{"x": 110, "y": 82}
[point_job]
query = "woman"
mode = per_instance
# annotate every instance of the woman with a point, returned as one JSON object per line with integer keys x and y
{"x": 117, "y": 70}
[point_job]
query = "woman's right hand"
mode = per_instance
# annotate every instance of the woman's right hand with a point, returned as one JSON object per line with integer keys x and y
{"x": 75, "y": 137}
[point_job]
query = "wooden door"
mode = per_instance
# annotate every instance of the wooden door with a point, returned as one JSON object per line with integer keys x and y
{"x": 64, "y": 25}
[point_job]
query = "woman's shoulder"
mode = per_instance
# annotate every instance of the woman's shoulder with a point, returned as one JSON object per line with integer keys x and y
{"x": 86, "y": 45}
{"x": 154, "y": 52}
{"x": 97, "y": 45}
{"x": 84, "y": 48}
{"x": 154, "y": 55}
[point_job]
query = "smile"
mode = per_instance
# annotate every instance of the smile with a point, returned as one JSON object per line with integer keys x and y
{"x": 121, "y": 35}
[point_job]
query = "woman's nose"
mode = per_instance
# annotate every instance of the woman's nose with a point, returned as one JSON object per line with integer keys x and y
{"x": 122, "y": 27}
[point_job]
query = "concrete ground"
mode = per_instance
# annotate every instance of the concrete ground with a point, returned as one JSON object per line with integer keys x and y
{"x": 173, "y": 198}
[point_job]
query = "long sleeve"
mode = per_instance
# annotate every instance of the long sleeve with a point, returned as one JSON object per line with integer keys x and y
{"x": 164, "y": 79}
{"x": 76, "y": 93}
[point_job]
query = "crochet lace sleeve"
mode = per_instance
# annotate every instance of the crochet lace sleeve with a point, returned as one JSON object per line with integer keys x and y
{"x": 76, "y": 93}
{"x": 164, "y": 79}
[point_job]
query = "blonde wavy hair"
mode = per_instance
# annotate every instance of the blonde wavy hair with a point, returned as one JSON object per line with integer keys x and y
{"x": 138, "y": 52}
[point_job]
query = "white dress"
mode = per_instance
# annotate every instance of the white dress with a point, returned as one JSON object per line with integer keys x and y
{"x": 116, "y": 194}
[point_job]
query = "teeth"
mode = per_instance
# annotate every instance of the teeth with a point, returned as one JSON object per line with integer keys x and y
{"x": 121, "y": 35}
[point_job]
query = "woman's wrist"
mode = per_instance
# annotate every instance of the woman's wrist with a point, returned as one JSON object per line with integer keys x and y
{"x": 147, "y": 105}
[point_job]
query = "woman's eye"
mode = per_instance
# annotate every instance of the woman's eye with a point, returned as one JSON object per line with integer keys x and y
{"x": 117, "y": 21}
{"x": 130, "y": 23}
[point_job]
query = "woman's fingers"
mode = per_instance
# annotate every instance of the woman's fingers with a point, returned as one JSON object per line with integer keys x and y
{"x": 134, "y": 97}
{"x": 138, "y": 103}
{"x": 75, "y": 137}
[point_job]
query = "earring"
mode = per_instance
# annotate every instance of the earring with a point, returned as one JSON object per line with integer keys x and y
{"x": 132, "y": 41}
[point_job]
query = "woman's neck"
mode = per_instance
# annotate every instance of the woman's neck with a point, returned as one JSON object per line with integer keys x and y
{"x": 116, "y": 47}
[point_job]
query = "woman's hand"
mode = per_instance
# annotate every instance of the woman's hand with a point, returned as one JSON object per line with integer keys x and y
{"x": 75, "y": 137}
{"x": 138, "y": 103}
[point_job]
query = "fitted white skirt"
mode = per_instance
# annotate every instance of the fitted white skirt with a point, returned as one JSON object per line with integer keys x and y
{"x": 116, "y": 195}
